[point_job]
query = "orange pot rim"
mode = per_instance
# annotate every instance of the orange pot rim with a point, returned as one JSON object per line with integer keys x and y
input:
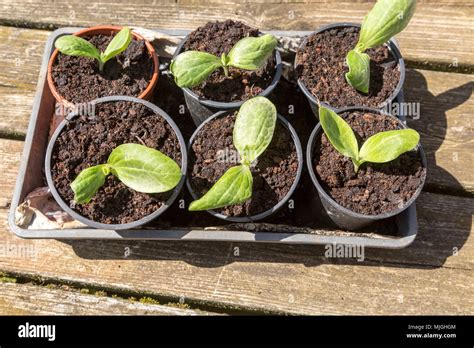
{"x": 99, "y": 29}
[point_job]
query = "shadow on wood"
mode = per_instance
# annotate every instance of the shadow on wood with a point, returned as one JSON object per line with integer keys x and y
{"x": 434, "y": 132}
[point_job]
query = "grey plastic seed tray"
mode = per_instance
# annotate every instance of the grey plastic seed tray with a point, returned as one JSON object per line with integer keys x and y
{"x": 31, "y": 176}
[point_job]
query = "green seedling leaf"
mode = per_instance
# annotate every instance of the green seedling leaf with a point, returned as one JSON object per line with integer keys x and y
{"x": 386, "y": 19}
{"x": 141, "y": 168}
{"x": 144, "y": 169}
{"x": 339, "y": 133}
{"x": 72, "y": 45}
{"x": 118, "y": 44}
{"x": 380, "y": 148}
{"x": 254, "y": 127}
{"x": 76, "y": 46}
{"x": 234, "y": 187}
{"x": 359, "y": 70}
{"x": 251, "y": 53}
{"x": 88, "y": 182}
{"x": 190, "y": 68}
{"x": 253, "y": 132}
{"x": 386, "y": 146}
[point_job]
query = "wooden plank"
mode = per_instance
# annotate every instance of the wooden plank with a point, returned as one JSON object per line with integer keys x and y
{"x": 21, "y": 52}
{"x": 10, "y": 155}
{"x": 429, "y": 36}
{"x": 445, "y": 225}
{"x": 447, "y": 132}
{"x": 26, "y": 299}
{"x": 433, "y": 247}
{"x": 429, "y": 277}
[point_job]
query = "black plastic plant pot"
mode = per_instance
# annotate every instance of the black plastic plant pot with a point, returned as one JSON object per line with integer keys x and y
{"x": 314, "y": 102}
{"x": 133, "y": 224}
{"x": 345, "y": 218}
{"x": 270, "y": 212}
{"x": 201, "y": 109}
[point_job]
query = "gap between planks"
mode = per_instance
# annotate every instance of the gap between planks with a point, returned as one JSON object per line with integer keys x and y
{"x": 16, "y": 298}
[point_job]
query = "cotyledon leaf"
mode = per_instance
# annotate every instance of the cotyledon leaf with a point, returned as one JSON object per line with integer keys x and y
{"x": 144, "y": 169}
{"x": 254, "y": 128}
{"x": 190, "y": 68}
{"x": 234, "y": 187}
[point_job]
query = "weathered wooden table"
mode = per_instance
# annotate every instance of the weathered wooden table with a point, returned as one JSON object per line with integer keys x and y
{"x": 435, "y": 275}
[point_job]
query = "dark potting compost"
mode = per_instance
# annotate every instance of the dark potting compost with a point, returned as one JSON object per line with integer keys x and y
{"x": 377, "y": 188}
{"x": 79, "y": 80}
{"x": 321, "y": 67}
{"x": 88, "y": 141}
{"x": 217, "y": 38}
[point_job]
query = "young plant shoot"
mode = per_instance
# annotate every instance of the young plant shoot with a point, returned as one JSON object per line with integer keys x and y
{"x": 72, "y": 45}
{"x": 386, "y": 19}
{"x": 253, "y": 132}
{"x": 190, "y": 68}
{"x": 141, "y": 168}
{"x": 379, "y": 148}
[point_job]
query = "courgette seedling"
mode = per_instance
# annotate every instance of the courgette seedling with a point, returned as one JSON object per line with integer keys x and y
{"x": 379, "y": 148}
{"x": 139, "y": 167}
{"x": 190, "y": 68}
{"x": 386, "y": 19}
{"x": 253, "y": 131}
{"x": 72, "y": 45}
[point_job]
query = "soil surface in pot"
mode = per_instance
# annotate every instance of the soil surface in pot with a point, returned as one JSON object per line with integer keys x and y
{"x": 217, "y": 38}
{"x": 78, "y": 79}
{"x": 376, "y": 188}
{"x": 273, "y": 174}
{"x": 88, "y": 141}
{"x": 321, "y": 66}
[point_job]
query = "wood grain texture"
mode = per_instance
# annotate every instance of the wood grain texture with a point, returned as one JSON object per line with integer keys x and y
{"x": 26, "y": 299}
{"x": 433, "y": 35}
{"x": 446, "y": 125}
{"x": 21, "y": 52}
{"x": 10, "y": 155}
{"x": 433, "y": 276}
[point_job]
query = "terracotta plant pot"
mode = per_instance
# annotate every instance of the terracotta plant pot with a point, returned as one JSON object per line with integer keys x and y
{"x": 105, "y": 30}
